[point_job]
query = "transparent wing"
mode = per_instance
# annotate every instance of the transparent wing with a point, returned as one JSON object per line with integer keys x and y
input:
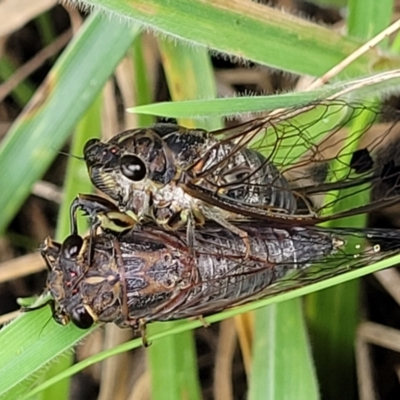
{"x": 308, "y": 157}
{"x": 281, "y": 260}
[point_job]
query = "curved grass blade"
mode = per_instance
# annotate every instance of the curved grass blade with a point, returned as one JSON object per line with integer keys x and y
{"x": 243, "y": 31}
{"x": 35, "y": 138}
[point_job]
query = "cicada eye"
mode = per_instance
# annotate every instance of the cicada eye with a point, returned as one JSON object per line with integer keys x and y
{"x": 89, "y": 144}
{"x": 81, "y": 318}
{"x": 133, "y": 168}
{"x": 71, "y": 247}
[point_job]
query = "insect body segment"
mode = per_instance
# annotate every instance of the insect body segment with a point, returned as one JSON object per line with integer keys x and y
{"x": 146, "y": 171}
{"x": 147, "y": 276}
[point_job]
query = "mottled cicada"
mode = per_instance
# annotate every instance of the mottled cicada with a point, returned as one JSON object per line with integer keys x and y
{"x": 182, "y": 177}
{"x": 151, "y": 275}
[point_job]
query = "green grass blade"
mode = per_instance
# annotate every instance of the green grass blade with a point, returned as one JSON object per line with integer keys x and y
{"x": 248, "y": 30}
{"x": 355, "y": 90}
{"x": 189, "y": 76}
{"x": 34, "y": 139}
{"x": 173, "y": 364}
{"x": 228, "y": 106}
{"x": 368, "y": 18}
{"x": 28, "y": 344}
{"x": 282, "y": 365}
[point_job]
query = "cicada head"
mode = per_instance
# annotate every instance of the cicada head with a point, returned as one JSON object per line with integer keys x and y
{"x": 63, "y": 280}
{"x": 130, "y": 167}
{"x": 102, "y": 161}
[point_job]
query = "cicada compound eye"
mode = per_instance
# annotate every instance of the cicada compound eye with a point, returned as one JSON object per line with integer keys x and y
{"x": 81, "y": 318}
{"x": 71, "y": 247}
{"x": 90, "y": 143}
{"x": 133, "y": 168}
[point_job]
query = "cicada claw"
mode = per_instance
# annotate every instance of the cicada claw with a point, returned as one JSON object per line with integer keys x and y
{"x": 141, "y": 327}
{"x": 102, "y": 213}
{"x": 203, "y": 322}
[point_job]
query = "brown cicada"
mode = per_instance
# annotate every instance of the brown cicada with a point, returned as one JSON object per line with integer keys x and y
{"x": 182, "y": 177}
{"x": 151, "y": 275}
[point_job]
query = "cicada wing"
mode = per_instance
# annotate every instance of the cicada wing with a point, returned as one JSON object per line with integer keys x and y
{"x": 219, "y": 292}
{"x": 299, "y": 164}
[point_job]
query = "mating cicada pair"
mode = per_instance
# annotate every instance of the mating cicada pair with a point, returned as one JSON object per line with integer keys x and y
{"x": 199, "y": 221}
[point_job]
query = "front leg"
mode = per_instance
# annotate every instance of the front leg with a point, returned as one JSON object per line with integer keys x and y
{"x": 190, "y": 220}
{"x": 101, "y": 212}
{"x": 91, "y": 205}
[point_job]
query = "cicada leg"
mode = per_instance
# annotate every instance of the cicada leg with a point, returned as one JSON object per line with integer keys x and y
{"x": 92, "y": 206}
{"x": 142, "y": 329}
{"x": 181, "y": 219}
{"x": 190, "y": 239}
{"x": 101, "y": 212}
{"x": 203, "y": 321}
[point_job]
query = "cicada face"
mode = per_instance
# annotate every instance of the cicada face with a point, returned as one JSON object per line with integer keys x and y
{"x": 130, "y": 167}
{"x": 63, "y": 281}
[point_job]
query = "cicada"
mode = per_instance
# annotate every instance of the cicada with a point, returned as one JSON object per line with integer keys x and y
{"x": 270, "y": 168}
{"x": 151, "y": 275}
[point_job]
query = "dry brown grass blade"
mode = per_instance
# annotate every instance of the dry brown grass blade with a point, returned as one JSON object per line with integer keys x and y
{"x": 356, "y": 54}
{"x": 47, "y": 191}
{"x": 224, "y": 360}
{"x": 364, "y": 367}
{"x": 5, "y": 318}
{"x": 115, "y": 372}
{"x": 244, "y": 324}
{"x": 141, "y": 390}
{"x": 380, "y": 335}
{"x": 34, "y": 63}
{"x": 390, "y": 280}
{"x": 21, "y": 266}
{"x": 15, "y": 14}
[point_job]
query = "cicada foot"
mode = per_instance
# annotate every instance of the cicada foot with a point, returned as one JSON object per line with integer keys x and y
{"x": 92, "y": 206}
{"x": 241, "y": 233}
{"x": 181, "y": 219}
{"x": 246, "y": 241}
{"x": 102, "y": 213}
{"x": 190, "y": 238}
{"x": 117, "y": 222}
{"x": 141, "y": 327}
{"x": 203, "y": 322}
